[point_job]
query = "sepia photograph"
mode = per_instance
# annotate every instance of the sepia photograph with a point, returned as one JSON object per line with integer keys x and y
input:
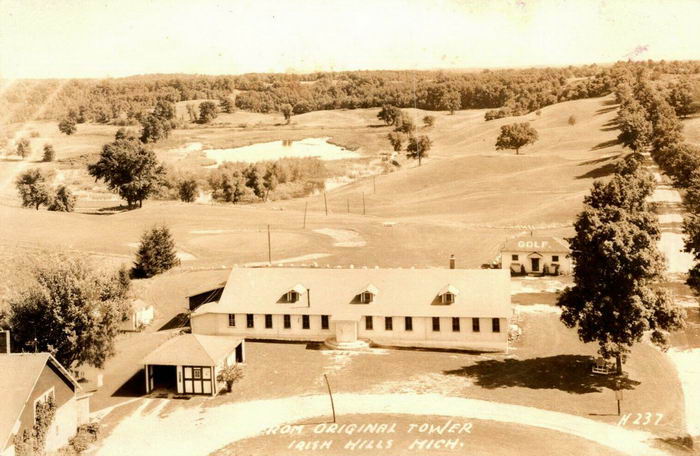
{"x": 347, "y": 227}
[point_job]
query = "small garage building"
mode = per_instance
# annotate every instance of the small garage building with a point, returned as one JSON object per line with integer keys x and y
{"x": 189, "y": 363}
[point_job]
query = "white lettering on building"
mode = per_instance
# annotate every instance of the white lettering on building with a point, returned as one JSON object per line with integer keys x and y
{"x": 532, "y": 244}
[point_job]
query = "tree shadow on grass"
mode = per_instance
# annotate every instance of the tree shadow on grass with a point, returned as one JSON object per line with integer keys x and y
{"x": 109, "y": 210}
{"x": 599, "y": 172}
{"x": 568, "y": 373}
{"x": 605, "y": 110}
{"x": 604, "y": 144}
{"x": 134, "y": 387}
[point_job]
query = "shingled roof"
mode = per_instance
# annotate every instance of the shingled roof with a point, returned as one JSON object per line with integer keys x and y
{"x": 20, "y": 374}
{"x": 400, "y": 292}
{"x": 541, "y": 244}
{"x": 192, "y": 349}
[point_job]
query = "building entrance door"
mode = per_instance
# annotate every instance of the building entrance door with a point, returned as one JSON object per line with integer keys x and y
{"x": 346, "y": 331}
{"x": 535, "y": 264}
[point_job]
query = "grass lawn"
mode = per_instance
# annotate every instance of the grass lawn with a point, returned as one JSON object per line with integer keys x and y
{"x": 485, "y": 438}
{"x": 554, "y": 375}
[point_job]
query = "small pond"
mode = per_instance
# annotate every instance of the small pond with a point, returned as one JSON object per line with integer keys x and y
{"x": 309, "y": 147}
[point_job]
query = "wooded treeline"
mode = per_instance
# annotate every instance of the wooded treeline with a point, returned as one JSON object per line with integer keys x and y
{"x": 508, "y": 92}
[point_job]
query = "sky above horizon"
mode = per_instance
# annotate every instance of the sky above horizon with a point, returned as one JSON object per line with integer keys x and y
{"x": 106, "y": 38}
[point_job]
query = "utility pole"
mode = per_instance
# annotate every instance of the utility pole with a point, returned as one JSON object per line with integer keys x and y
{"x": 269, "y": 246}
{"x": 325, "y": 201}
{"x": 364, "y": 212}
{"x": 306, "y": 206}
{"x": 331, "y": 395}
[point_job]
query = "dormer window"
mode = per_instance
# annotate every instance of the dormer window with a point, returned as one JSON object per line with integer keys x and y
{"x": 448, "y": 294}
{"x": 295, "y": 293}
{"x": 367, "y": 294}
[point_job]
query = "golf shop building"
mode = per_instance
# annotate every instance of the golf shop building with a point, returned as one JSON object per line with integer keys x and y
{"x": 433, "y": 308}
{"x": 536, "y": 255}
{"x": 190, "y": 363}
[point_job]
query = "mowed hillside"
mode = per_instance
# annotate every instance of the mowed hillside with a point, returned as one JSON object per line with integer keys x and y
{"x": 467, "y": 180}
{"x": 466, "y": 199}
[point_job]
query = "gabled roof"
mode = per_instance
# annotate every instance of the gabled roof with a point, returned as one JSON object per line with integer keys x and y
{"x": 369, "y": 288}
{"x": 404, "y": 292}
{"x": 450, "y": 289}
{"x": 192, "y": 349}
{"x": 20, "y": 372}
{"x": 548, "y": 244}
{"x": 299, "y": 288}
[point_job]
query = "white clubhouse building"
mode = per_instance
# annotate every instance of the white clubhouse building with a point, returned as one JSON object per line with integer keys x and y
{"x": 546, "y": 255}
{"x": 434, "y": 308}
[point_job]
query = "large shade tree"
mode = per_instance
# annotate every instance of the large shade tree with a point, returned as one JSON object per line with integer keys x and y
{"x": 616, "y": 298}
{"x": 130, "y": 169}
{"x": 418, "y": 148}
{"x": 33, "y": 188}
{"x": 515, "y": 136}
{"x": 70, "y": 310}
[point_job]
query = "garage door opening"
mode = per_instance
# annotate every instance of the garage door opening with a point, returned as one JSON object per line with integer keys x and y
{"x": 164, "y": 378}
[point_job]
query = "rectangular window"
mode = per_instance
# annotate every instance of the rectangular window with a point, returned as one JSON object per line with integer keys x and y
{"x": 366, "y": 297}
{"x": 305, "y": 322}
{"x": 368, "y": 323}
{"x": 436, "y": 324}
{"x": 287, "y": 322}
{"x": 455, "y": 325}
{"x": 292, "y": 296}
{"x": 324, "y": 321}
{"x": 475, "y": 325}
{"x": 496, "y": 325}
{"x": 268, "y": 321}
{"x": 388, "y": 324}
{"x": 232, "y": 319}
{"x": 250, "y": 320}
{"x": 408, "y": 323}
{"x": 555, "y": 258}
{"x": 514, "y": 257}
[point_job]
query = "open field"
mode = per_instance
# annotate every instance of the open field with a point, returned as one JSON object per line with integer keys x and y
{"x": 465, "y": 199}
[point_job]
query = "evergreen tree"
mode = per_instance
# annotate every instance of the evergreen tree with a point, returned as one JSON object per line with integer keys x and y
{"x": 156, "y": 253}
